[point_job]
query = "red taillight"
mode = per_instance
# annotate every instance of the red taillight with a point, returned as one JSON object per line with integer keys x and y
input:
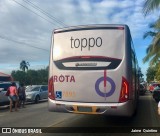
{"x": 124, "y": 95}
{"x": 51, "y": 89}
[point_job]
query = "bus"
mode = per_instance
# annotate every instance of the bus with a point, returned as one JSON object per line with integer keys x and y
{"x": 93, "y": 69}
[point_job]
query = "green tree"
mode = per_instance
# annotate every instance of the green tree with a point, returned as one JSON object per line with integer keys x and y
{"x": 150, "y": 5}
{"x": 157, "y": 76}
{"x": 153, "y": 50}
{"x": 31, "y": 77}
{"x": 151, "y": 72}
{"x": 19, "y": 76}
{"x": 24, "y": 65}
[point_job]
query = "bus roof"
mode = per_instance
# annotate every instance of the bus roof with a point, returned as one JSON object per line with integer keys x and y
{"x": 90, "y": 27}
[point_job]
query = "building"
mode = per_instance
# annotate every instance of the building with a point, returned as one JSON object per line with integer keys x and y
{"x": 5, "y": 77}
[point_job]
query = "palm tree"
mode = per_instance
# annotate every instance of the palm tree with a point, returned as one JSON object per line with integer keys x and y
{"x": 150, "y": 5}
{"x": 153, "y": 50}
{"x": 24, "y": 65}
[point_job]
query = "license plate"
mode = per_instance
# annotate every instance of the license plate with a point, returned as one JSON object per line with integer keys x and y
{"x": 84, "y": 109}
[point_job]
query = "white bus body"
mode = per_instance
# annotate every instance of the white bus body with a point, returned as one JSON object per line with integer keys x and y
{"x": 93, "y": 70}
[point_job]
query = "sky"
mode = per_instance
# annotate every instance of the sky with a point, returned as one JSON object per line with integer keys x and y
{"x": 26, "y": 26}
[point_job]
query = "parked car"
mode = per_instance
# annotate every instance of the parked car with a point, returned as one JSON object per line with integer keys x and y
{"x": 3, "y": 89}
{"x": 142, "y": 89}
{"x": 153, "y": 86}
{"x": 156, "y": 94}
{"x": 35, "y": 93}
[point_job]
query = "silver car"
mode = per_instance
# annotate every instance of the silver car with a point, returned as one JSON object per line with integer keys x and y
{"x": 3, "y": 89}
{"x": 35, "y": 93}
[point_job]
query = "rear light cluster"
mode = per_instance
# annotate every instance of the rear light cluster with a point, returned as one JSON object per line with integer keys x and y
{"x": 51, "y": 89}
{"x": 124, "y": 94}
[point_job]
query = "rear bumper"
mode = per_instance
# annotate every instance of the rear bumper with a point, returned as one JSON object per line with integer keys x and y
{"x": 115, "y": 109}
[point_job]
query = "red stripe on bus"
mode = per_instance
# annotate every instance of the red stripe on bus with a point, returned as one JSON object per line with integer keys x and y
{"x": 105, "y": 76}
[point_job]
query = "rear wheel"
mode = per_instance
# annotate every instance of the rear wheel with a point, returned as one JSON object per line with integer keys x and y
{"x": 37, "y": 99}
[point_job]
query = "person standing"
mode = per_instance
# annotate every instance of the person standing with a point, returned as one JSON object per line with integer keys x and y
{"x": 13, "y": 96}
{"x": 22, "y": 95}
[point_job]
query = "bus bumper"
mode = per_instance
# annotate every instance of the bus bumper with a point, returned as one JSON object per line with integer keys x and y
{"x": 113, "y": 109}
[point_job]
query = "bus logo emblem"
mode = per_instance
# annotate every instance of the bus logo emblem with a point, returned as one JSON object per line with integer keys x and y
{"x": 104, "y": 93}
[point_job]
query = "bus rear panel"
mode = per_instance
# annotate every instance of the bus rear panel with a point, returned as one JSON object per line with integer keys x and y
{"x": 90, "y": 71}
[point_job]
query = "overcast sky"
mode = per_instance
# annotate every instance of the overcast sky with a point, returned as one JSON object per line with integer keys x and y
{"x": 26, "y": 26}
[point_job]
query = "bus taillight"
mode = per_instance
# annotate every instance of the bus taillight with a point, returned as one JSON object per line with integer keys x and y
{"x": 124, "y": 95}
{"x": 51, "y": 89}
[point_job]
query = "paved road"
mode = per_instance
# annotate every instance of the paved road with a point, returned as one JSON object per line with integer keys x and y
{"x": 34, "y": 115}
{"x": 37, "y": 115}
